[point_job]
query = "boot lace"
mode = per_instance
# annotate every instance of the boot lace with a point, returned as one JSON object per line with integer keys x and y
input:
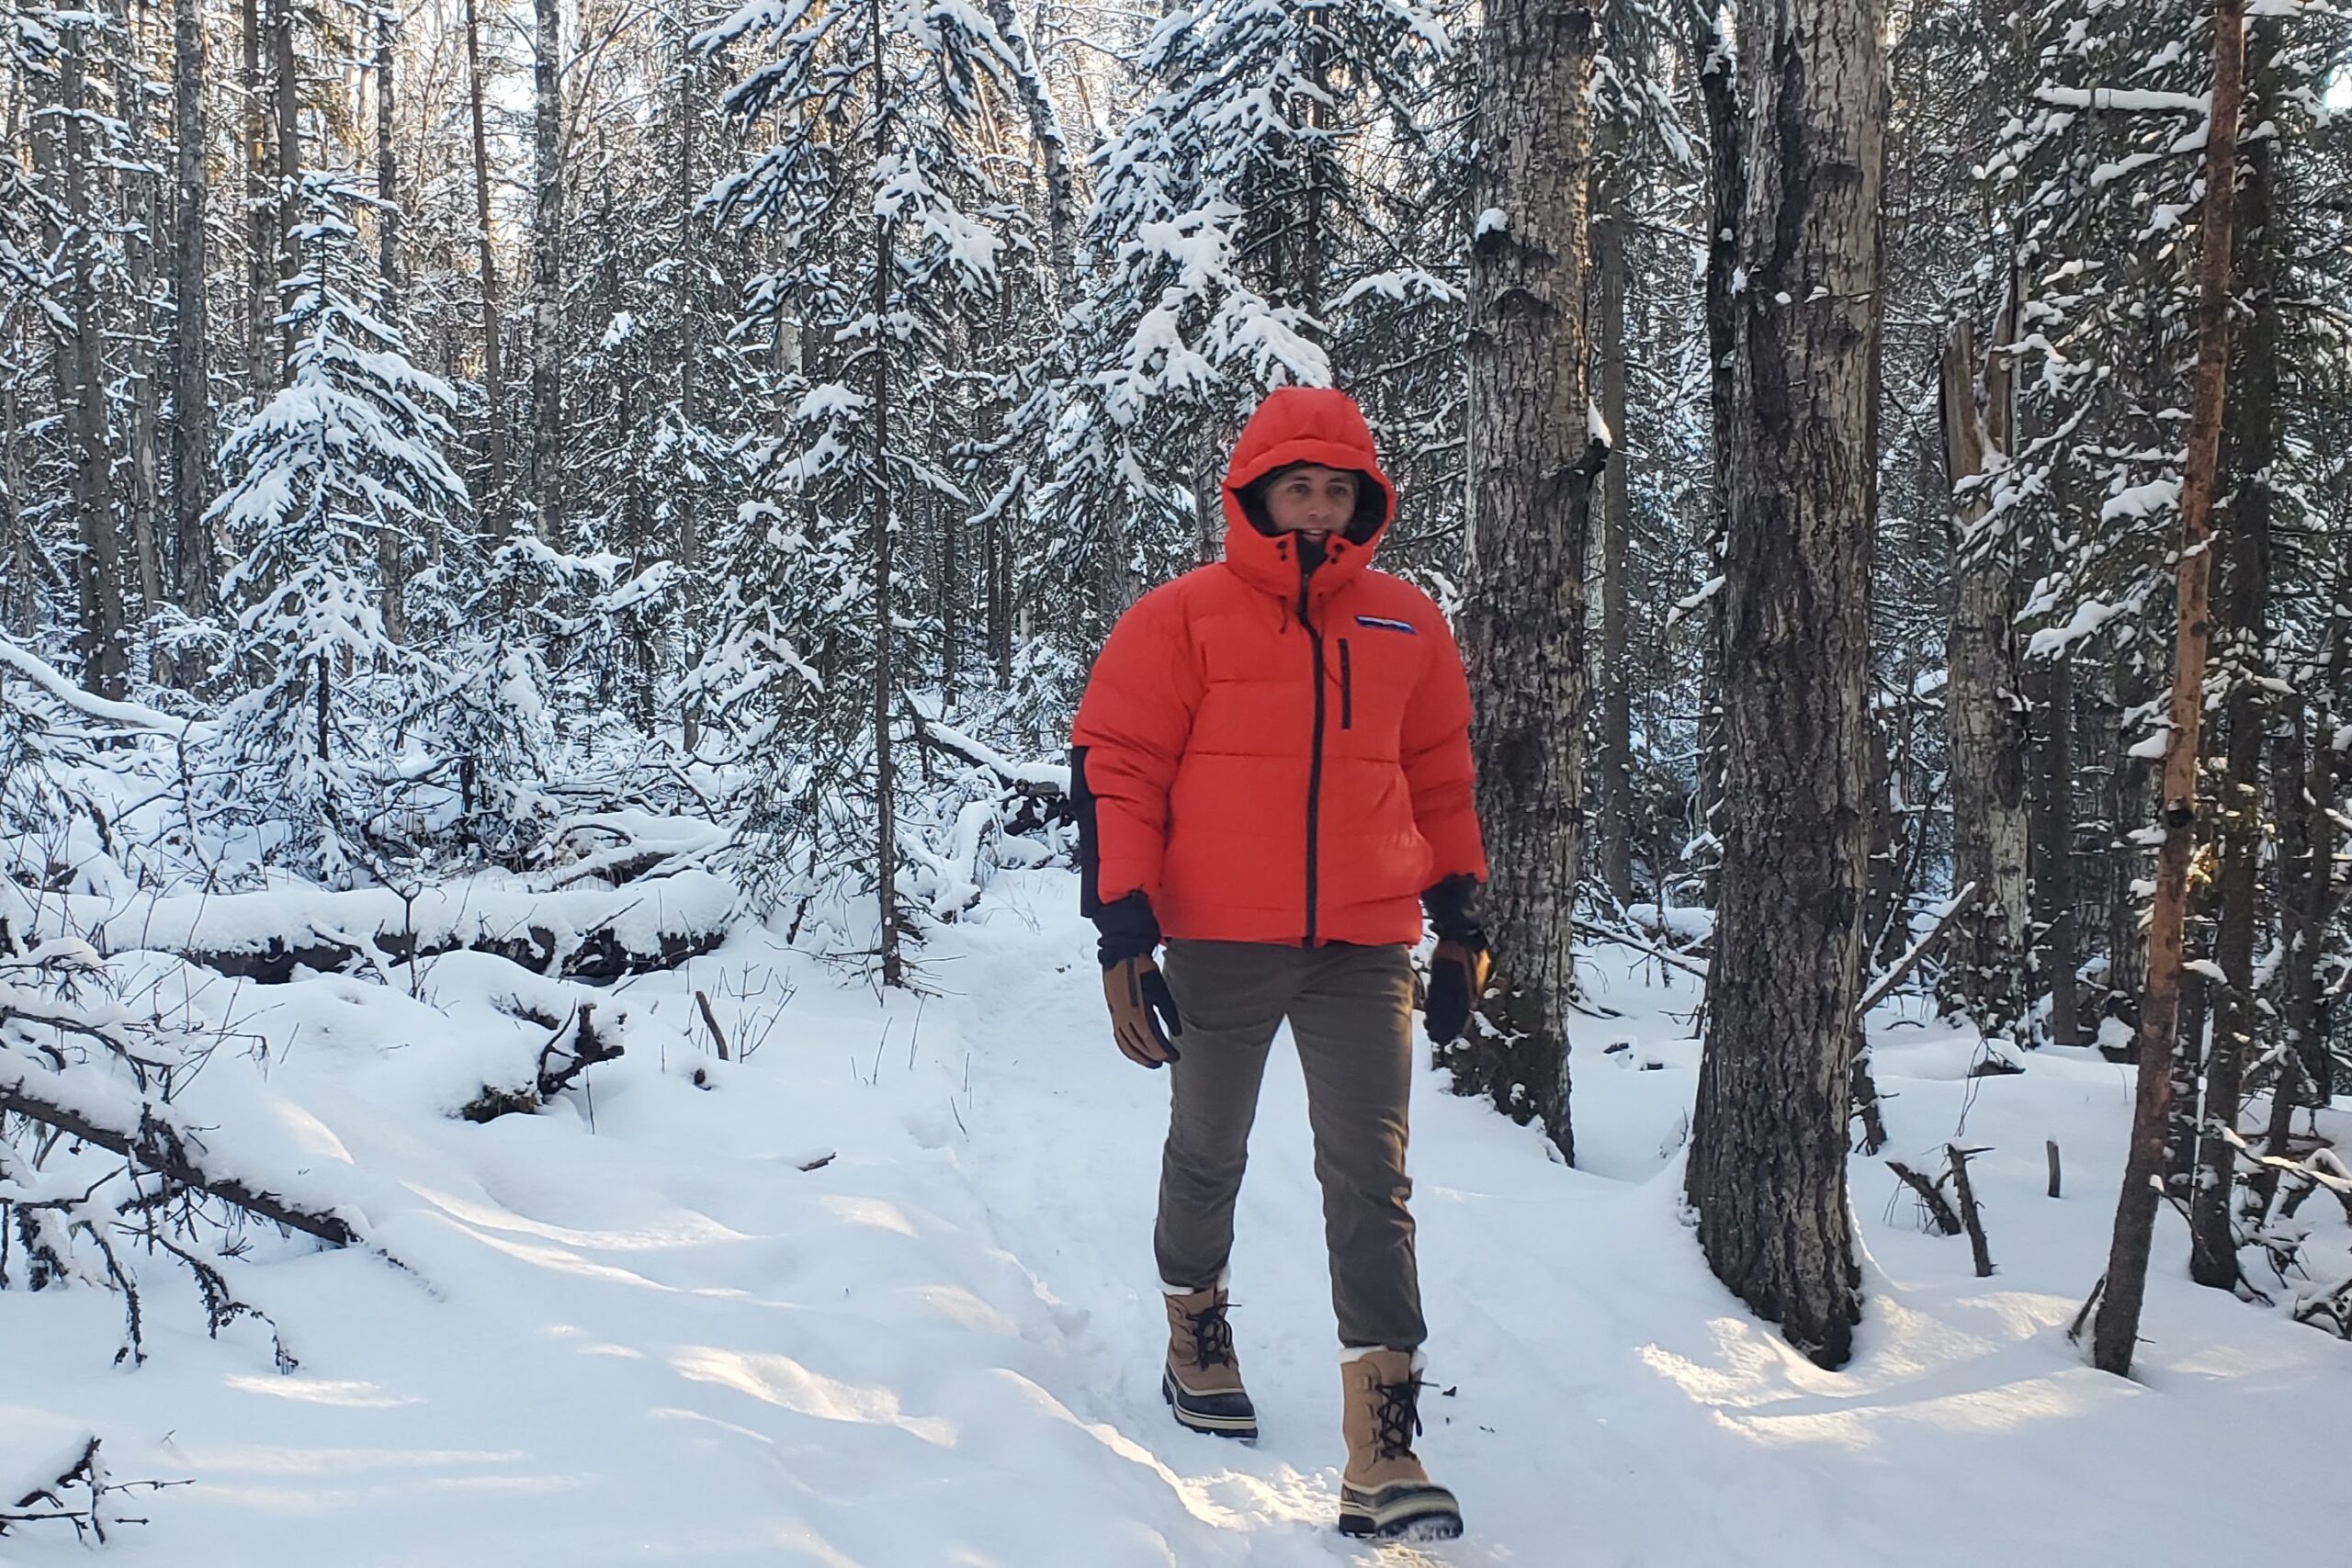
{"x": 1212, "y": 1337}
{"x": 1398, "y": 1417}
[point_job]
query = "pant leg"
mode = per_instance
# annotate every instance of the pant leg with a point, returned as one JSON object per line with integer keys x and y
{"x": 1353, "y": 1020}
{"x": 1230, "y": 995}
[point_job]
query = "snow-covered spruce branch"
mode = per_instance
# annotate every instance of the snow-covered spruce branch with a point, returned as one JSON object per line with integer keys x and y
{"x": 51, "y": 1501}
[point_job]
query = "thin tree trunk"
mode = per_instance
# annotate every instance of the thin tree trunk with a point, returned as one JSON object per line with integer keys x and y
{"x": 1531, "y": 477}
{"x": 2249, "y": 448}
{"x": 196, "y": 569}
{"x": 261, "y": 226}
{"x": 886, "y": 804}
{"x": 81, "y": 380}
{"x": 392, "y": 556}
{"x": 1768, "y": 1146}
{"x": 2051, "y": 686}
{"x": 1053, "y": 148}
{"x": 494, "y": 499}
{"x": 1612, "y": 666}
{"x": 140, "y": 488}
{"x": 2116, "y": 1330}
{"x": 1983, "y": 705}
{"x": 289, "y": 154}
{"x": 545, "y": 476}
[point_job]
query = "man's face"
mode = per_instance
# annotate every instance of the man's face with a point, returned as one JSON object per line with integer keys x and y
{"x": 1312, "y": 499}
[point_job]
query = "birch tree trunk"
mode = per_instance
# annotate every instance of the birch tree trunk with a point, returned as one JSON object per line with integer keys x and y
{"x": 2050, "y": 686}
{"x": 2116, "y": 1332}
{"x": 1983, "y": 705}
{"x": 1767, "y": 1146}
{"x": 1530, "y": 479}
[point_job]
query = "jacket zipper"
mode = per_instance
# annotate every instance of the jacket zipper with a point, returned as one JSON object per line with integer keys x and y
{"x": 1314, "y": 757}
{"x": 1347, "y": 689}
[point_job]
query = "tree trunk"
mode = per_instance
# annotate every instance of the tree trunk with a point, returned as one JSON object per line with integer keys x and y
{"x": 2249, "y": 448}
{"x": 2051, "y": 686}
{"x": 2117, "y": 1331}
{"x": 196, "y": 568}
{"x": 261, "y": 227}
{"x": 1983, "y": 704}
{"x": 1053, "y": 148}
{"x": 289, "y": 155}
{"x": 140, "y": 490}
{"x": 1768, "y": 1146}
{"x": 2127, "y": 782}
{"x": 545, "y": 478}
{"x": 494, "y": 499}
{"x": 1613, "y": 672}
{"x": 1530, "y": 475}
{"x": 1727, "y": 196}
{"x": 80, "y": 382}
{"x": 392, "y": 556}
{"x": 886, "y": 803}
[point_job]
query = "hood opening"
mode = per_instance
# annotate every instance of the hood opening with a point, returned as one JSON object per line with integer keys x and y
{"x": 1372, "y": 504}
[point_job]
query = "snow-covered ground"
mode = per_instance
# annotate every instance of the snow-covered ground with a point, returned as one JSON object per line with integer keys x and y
{"x": 654, "y": 1323}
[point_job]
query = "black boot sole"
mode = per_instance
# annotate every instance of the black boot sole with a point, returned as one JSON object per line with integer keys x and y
{"x": 1437, "y": 1518}
{"x": 1197, "y": 1414}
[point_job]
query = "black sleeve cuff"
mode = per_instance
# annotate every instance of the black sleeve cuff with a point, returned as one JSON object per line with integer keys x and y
{"x": 1129, "y": 929}
{"x": 1452, "y": 907}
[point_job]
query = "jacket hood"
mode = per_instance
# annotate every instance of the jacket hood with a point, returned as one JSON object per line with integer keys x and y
{"x": 1304, "y": 424}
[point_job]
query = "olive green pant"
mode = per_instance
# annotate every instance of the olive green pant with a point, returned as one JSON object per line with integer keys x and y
{"x": 1350, "y": 1013}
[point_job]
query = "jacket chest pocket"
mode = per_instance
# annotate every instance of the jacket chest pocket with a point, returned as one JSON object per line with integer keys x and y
{"x": 1374, "y": 669}
{"x": 1346, "y": 687}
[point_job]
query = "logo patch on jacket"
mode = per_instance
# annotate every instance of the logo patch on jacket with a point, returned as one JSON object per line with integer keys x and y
{"x": 1382, "y": 622}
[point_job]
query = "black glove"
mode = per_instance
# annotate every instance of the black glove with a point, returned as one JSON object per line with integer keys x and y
{"x": 1458, "y": 975}
{"x": 1140, "y": 1003}
{"x": 1462, "y": 964}
{"x": 1129, "y": 929}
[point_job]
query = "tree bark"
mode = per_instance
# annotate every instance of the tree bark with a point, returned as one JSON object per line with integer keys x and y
{"x": 2249, "y": 448}
{"x": 1767, "y": 1148}
{"x": 392, "y": 556}
{"x": 2116, "y": 1332}
{"x": 493, "y": 502}
{"x": 81, "y": 380}
{"x": 545, "y": 476}
{"x": 1613, "y": 735}
{"x": 886, "y": 802}
{"x": 261, "y": 230}
{"x": 1530, "y": 475}
{"x": 1719, "y": 91}
{"x": 289, "y": 98}
{"x": 2051, "y": 687}
{"x": 1984, "y": 707}
{"x": 195, "y": 567}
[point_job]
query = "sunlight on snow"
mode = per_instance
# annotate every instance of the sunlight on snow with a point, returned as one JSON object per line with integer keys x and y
{"x": 350, "y": 1395}
{"x": 685, "y": 1228}
{"x": 874, "y": 1212}
{"x": 784, "y": 1383}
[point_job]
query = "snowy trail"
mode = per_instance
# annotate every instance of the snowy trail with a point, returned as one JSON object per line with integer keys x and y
{"x": 666, "y": 1342}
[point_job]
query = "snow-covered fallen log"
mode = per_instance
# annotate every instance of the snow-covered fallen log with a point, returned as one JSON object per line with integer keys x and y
{"x": 151, "y": 1140}
{"x": 589, "y": 933}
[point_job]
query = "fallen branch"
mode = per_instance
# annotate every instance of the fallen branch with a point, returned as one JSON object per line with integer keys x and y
{"x": 1882, "y": 987}
{"x": 563, "y": 1059}
{"x": 46, "y": 1503}
{"x": 1969, "y": 1216}
{"x": 1940, "y": 1213}
{"x": 157, "y": 1145}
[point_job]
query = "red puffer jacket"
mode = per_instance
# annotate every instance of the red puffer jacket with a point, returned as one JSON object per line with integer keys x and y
{"x": 1271, "y": 754}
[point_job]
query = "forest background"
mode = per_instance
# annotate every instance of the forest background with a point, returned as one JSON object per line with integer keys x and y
{"x": 462, "y": 432}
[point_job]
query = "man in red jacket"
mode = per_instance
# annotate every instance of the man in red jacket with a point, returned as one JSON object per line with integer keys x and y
{"x": 1271, "y": 772}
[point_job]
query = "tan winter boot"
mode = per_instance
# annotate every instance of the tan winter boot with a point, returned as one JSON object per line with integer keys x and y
{"x": 1384, "y": 1492}
{"x": 1202, "y": 1382}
